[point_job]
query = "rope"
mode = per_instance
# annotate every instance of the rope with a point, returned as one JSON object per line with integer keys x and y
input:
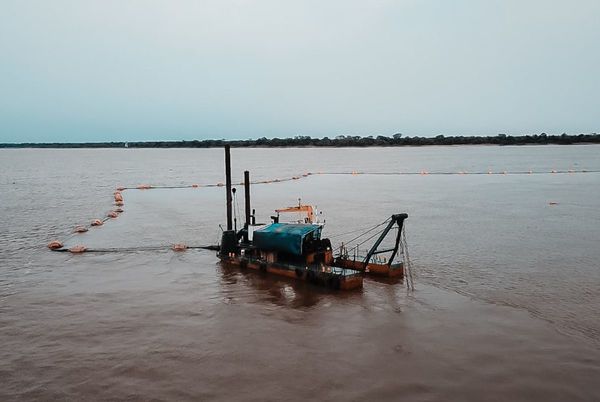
{"x": 408, "y": 268}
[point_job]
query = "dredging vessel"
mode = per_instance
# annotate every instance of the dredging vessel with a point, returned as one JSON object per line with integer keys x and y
{"x": 298, "y": 250}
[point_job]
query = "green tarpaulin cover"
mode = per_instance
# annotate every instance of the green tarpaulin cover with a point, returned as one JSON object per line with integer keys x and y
{"x": 285, "y": 237}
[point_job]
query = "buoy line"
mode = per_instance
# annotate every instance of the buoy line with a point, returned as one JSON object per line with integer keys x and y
{"x": 56, "y": 245}
{"x": 355, "y": 173}
{"x": 489, "y": 172}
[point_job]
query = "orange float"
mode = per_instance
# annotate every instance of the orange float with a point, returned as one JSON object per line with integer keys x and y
{"x": 55, "y": 245}
{"x": 118, "y": 196}
{"x": 144, "y": 187}
{"x": 112, "y": 214}
{"x": 119, "y": 210}
{"x": 80, "y": 229}
{"x": 97, "y": 222}
{"x": 78, "y": 249}
{"x": 179, "y": 247}
{"x": 120, "y": 188}
{"x": 119, "y": 203}
{"x": 195, "y": 186}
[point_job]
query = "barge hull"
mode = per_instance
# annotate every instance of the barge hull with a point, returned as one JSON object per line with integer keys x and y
{"x": 324, "y": 277}
{"x": 392, "y": 271}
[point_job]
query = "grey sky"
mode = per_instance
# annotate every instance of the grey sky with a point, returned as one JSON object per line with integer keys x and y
{"x": 150, "y": 70}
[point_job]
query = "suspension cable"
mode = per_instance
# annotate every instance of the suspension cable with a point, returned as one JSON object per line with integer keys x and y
{"x": 410, "y": 283}
{"x": 368, "y": 231}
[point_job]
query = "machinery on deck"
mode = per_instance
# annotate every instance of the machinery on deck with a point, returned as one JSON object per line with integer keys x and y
{"x": 297, "y": 250}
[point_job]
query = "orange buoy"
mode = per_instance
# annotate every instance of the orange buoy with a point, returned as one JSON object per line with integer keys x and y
{"x": 119, "y": 210}
{"x": 112, "y": 214}
{"x": 118, "y": 197}
{"x": 97, "y": 222}
{"x": 179, "y": 247}
{"x": 220, "y": 184}
{"x": 55, "y": 245}
{"x": 120, "y": 188}
{"x": 144, "y": 186}
{"x": 119, "y": 203}
{"x": 553, "y": 203}
{"x": 78, "y": 249}
{"x": 80, "y": 229}
{"x": 195, "y": 186}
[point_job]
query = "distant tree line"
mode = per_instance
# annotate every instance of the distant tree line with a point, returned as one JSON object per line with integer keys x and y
{"x": 339, "y": 141}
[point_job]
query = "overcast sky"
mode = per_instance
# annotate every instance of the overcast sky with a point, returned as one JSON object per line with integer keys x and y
{"x": 170, "y": 70}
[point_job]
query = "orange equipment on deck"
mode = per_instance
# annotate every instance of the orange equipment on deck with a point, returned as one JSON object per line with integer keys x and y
{"x": 310, "y": 215}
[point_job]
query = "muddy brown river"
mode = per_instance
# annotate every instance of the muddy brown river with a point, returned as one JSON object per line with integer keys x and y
{"x": 505, "y": 307}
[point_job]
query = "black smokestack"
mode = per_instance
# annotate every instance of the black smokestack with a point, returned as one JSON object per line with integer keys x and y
{"x": 228, "y": 185}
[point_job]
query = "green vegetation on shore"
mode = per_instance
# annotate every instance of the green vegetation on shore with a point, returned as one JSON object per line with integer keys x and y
{"x": 339, "y": 141}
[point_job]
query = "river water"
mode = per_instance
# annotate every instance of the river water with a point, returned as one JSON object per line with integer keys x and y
{"x": 505, "y": 307}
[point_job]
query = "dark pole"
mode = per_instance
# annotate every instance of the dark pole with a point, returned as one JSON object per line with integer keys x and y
{"x": 228, "y": 185}
{"x": 247, "y": 194}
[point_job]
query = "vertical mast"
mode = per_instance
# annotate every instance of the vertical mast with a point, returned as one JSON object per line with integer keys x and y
{"x": 247, "y": 196}
{"x": 228, "y": 185}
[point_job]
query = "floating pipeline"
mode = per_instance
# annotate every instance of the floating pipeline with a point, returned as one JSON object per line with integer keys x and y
{"x": 78, "y": 249}
{"x": 356, "y": 173}
{"x": 119, "y": 200}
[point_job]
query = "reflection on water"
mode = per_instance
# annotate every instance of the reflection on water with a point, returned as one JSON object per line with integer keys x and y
{"x": 180, "y": 326}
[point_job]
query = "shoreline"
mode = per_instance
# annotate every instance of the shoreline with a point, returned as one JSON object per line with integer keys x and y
{"x": 338, "y": 142}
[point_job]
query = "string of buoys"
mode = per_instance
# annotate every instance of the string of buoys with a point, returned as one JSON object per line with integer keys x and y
{"x": 56, "y": 245}
{"x": 356, "y": 173}
{"x": 460, "y": 172}
{"x": 119, "y": 200}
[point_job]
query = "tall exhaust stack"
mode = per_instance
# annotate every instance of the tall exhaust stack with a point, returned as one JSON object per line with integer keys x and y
{"x": 228, "y": 186}
{"x": 247, "y": 196}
